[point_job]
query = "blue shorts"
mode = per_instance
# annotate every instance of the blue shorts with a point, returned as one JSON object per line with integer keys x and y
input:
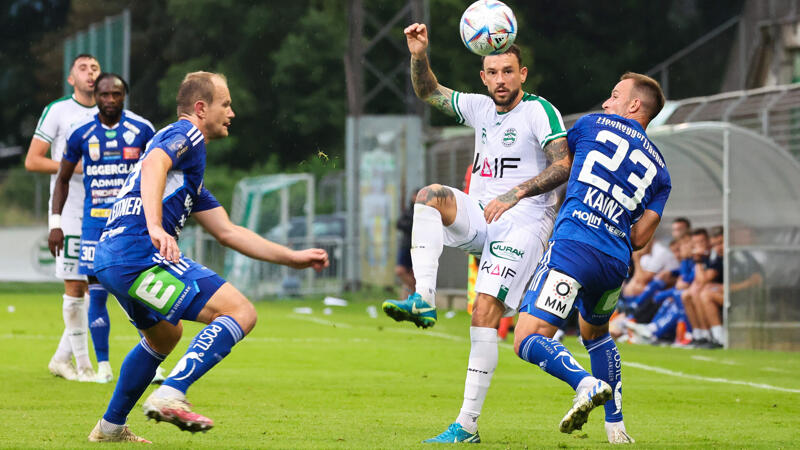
{"x": 571, "y": 275}
{"x": 89, "y": 238}
{"x": 161, "y": 291}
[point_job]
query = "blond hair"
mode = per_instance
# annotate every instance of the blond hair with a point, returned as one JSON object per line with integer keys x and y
{"x": 649, "y": 91}
{"x": 196, "y": 86}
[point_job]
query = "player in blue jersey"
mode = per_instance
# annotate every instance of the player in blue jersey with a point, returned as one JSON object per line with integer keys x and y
{"x": 618, "y": 186}
{"x": 137, "y": 259}
{"x": 109, "y": 145}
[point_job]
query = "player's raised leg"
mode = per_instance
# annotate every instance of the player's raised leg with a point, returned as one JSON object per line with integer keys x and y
{"x": 229, "y": 317}
{"x": 435, "y": 209}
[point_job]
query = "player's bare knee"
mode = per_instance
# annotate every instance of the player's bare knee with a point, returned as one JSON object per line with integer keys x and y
{"x": 75, "y": 288}
{"x": 436, "y": 196}
{"x": 246, "y": 316}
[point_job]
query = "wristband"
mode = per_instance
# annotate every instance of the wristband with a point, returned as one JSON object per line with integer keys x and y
{"x": 54, "y": 221}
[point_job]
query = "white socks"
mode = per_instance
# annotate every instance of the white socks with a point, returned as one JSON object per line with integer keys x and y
{"x": 168, "y": 392}
{"x": 76, "y": 322}
{"x": 64, "y": 350}
{"x": 482, "y": 363}
{"x": 427, "y": 241}
{"x": 716, "y": 333}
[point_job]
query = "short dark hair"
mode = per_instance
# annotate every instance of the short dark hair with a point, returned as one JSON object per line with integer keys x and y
{"x": 699, "y": 232}
{"x": 196, "y": 86}
{"x": 652, "y": 96}
{"x": 716, "y": 231}
{"x": 81, "y": 56}
{"x": 514, "y": 50}
{"x": 105, "y": 75}
{"x": 683, "y": 220}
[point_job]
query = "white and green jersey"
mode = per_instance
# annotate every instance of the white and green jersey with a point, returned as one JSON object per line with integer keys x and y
{"x": 53, "y": 127}
{"x": 508, "y": 146}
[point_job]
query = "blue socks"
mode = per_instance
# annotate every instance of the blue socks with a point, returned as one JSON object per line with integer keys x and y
{"x": 213, "y": 343}
{"x": 606, "y": 366}
{"x": 552, "y": 357}
{"x": 99, "y": 324}
{"x": 135, "y": 375}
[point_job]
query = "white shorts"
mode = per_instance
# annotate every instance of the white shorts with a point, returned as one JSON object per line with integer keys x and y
{"x": 67, "y": 259}
{"x": 508, "y": 250}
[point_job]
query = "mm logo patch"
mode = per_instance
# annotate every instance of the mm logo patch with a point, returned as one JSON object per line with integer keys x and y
{"x": 509, "y": 137}
{"x": 558, "y": 294}
{"x": 504, "y": 251}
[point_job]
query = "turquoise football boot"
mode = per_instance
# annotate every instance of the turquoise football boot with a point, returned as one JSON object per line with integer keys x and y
{"x": 453, "y": 434}
{"x": 413, "y": 309}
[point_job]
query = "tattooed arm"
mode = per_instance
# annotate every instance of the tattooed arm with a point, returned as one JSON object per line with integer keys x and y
{"x": 424, "y": 81}
{"x": 557, "y": 172}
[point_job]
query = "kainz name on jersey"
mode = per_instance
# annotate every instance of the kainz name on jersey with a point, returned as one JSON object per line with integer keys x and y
{"x": 109, "y": 169}
{"x": 606, "y": 205}
{"x": 493, "y": 170}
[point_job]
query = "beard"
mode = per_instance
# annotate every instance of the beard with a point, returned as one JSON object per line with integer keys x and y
{"x": 512, "y": 95}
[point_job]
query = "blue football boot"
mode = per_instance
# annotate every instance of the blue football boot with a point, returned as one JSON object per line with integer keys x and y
{"x": 453, "y": 434}
{"x": 413, "y": 309}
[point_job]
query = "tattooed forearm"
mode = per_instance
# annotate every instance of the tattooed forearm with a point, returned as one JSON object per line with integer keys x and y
{"x": 556, "y": 150}
{"x": 422, "y": 78}
{"x": 557, "y": 153}
{"x": 428, "y": 88}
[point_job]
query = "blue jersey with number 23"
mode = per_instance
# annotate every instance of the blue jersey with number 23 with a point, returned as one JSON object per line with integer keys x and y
{"x": 617, "y": 173}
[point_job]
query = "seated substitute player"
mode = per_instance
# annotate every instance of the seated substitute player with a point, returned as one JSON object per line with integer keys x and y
{"x": 138, "y": 260}
{"x": 109, "y": 145}
{"x": 516, "y": 135}
{"x": 51, "y": 134}
{"x": 616, "y": 193}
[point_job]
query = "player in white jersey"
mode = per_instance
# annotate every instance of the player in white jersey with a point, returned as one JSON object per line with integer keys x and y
{"x": 502, "y": 220}
{"x": 51, "y": 134}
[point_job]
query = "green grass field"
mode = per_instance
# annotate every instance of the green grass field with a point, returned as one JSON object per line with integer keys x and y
{"x": 346, "y": 380}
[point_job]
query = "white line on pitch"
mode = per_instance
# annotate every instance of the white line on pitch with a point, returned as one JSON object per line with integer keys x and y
{"x": 625, "y": 363}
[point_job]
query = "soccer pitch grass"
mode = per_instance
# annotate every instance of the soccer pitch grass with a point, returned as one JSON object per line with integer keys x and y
{"x": 347, "y": 380}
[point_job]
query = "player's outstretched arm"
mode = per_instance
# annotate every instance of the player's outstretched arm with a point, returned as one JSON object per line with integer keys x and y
{"x": 154, "y": 177}
{"x": 246, "y": 242}
{"x": 554, "y": 175}
{"x": 60, "y": 192}
{"x": 426, "y": 86}
{"x": 643, "y": 230}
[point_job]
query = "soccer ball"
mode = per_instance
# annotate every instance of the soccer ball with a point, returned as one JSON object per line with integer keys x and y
{"x": 488, "y": 27}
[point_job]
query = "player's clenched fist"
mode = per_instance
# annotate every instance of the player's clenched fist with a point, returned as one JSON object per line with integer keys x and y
{"x": 315, "y": 258}
{"x": 416, "y": 38}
